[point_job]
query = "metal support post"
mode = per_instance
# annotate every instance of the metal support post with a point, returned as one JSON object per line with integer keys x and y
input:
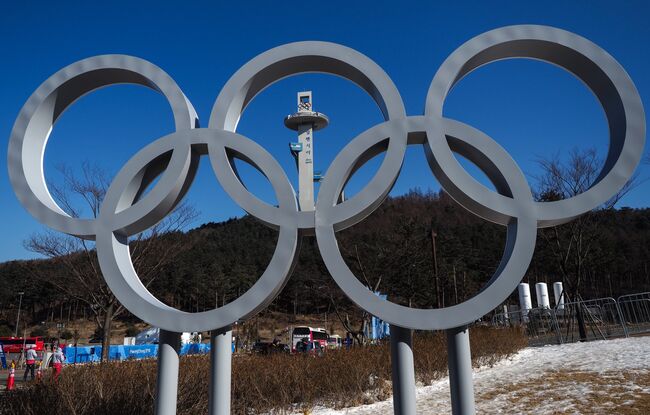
{"x": 169, "y": 344}
{"x": 220, "y": 371}
{"x": 621, "y": 319}
{"x": 401, "y": 353}
{"x": 460, "y": 371}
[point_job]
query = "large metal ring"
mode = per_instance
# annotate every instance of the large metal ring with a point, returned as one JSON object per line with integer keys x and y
{"x": 125, "y": 212}
{"x": 498, "y": 166}
{"x": 41, "y": 111}
{"x": 588, "y": 62}
{"x": 302, "y": 57}
{"x": 112, "y": 241}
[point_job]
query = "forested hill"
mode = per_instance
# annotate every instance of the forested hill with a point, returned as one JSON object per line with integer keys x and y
{"x": 391, "y": 251}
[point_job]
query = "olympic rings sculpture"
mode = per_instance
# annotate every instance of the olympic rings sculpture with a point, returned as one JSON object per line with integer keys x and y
{"x": 174, "y": 159}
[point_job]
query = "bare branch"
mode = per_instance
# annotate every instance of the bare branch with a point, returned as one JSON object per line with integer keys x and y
{"x": 81, "y": 276}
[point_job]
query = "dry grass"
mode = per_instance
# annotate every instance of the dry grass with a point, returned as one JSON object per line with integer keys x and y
{"x": 577, "y": 392}
{"x": 260, "y": 383}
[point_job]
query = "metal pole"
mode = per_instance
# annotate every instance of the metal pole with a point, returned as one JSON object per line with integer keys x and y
{"x": 460, "y": 371}
{"x": 169, "y": 344}
{"x": 621, "y": 319}
{"x": 20, "y": 303}
{"x": 401, "y": 353}
{"x": 220, "y": 371}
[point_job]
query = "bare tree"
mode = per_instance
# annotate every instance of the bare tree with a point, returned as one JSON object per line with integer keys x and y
{"x": 83, "y": 280}
{"x": 359, "y": 334}
{"x": 572, "y": 244}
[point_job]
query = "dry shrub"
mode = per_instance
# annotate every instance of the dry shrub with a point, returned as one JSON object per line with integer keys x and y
{"x": 275, "y": 383}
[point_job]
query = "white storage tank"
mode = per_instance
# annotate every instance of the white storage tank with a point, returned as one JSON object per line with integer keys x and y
{"x": 558, "y": 294}
{"x": 525, "y": 302}
{"x": 542, "y": 295}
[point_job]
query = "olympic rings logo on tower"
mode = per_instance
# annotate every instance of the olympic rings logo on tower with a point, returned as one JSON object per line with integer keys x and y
{"x": 174, "y": 159}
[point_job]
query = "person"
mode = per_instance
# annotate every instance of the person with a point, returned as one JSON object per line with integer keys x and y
{"x": 57, "y": 361}
{"x": 301, "y": 346}
{"x": 30, "y": 361}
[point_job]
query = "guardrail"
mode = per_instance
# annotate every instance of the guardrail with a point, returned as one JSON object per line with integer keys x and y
{"x": 584, "y": 320}
{"x": 635, "y": 309}
{"x": 602, "y": 319}
{"x": 541, "y": 324}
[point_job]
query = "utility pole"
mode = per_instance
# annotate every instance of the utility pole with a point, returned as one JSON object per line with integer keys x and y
{"x": 435, "y": 266}
{"x": 20, "y": 303}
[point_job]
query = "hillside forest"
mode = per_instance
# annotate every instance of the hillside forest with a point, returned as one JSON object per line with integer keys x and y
{"x": 391, "y": 251}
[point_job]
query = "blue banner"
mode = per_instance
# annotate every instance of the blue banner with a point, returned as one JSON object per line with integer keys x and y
{"x": 3, "y": 359}
{"x": 380, "y": 329}
{"x": 88, "y": 354}
{"x": 195, "y": 348}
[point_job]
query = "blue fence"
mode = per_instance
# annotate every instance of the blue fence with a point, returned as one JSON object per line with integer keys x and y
{"x": 3, "y": 359}
{"x": 88, "y": 354}
{"x": 380, "y": 329}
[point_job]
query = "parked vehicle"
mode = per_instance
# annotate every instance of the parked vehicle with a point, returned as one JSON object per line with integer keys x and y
{"x": 15, "y": 344}
{"x": 269, "y": 348}
{"x": 312, "y": 348}
{"x": 334, "y": 342}
{"x": 311, "y": 334}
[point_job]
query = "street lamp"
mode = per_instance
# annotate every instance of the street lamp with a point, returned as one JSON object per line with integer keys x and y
{"x": 20, "y": 303}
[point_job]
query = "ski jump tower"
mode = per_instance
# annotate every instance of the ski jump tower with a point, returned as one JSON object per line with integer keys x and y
{"x": 305, "y": 121}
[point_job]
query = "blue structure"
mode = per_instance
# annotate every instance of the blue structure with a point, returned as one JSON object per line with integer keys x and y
{"x": 88, "y": 354}
{"x": 380, "y": 329}
{"x": 3, "y": 359}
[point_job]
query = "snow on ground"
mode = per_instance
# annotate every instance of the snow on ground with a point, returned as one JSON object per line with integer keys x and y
{"x": 600, "y": 377}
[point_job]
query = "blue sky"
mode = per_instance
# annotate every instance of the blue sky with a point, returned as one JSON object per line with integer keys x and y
{"x": 533, "y": 109}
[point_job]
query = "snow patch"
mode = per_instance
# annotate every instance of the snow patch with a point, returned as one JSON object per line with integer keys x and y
{"x": 499, "y": 387}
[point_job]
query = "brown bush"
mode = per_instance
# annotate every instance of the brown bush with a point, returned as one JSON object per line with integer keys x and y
{"x": 260, "y": 383}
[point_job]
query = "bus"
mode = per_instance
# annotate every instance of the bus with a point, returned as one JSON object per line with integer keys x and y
{"x": 309, "y": 333}
{"x": 15, "y": 344}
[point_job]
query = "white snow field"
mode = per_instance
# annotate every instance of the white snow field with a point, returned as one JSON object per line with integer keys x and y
{"x": 600, "y": 377}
